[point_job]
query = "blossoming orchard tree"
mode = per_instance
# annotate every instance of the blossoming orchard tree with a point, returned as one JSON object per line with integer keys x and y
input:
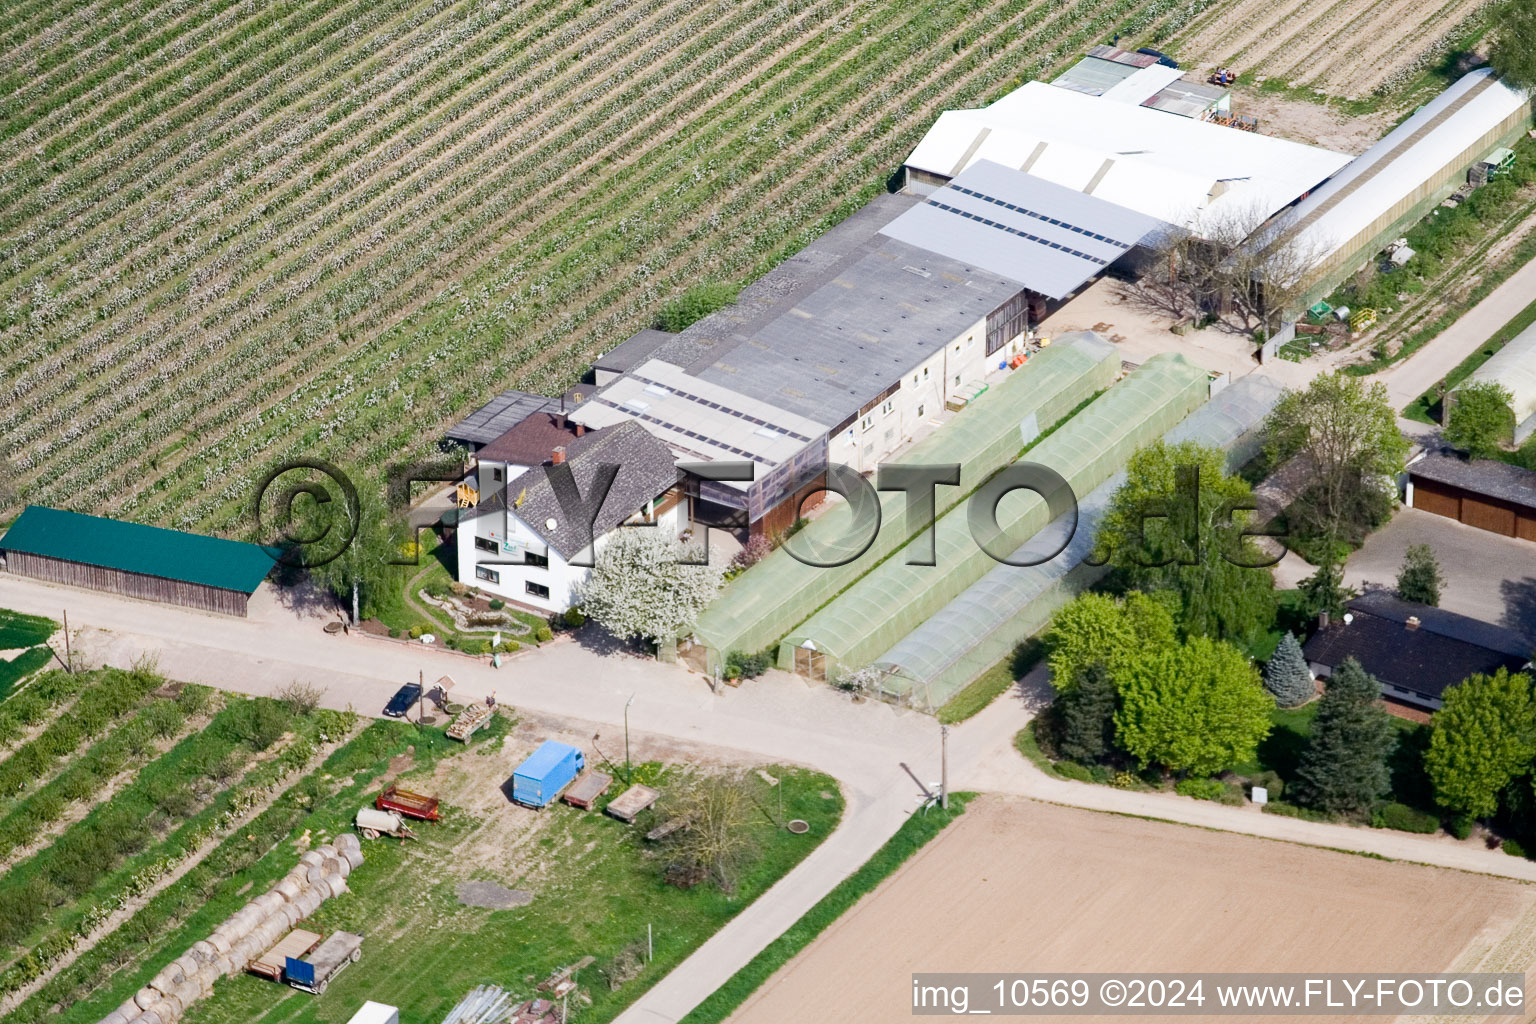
{"x": 642, "y": 585}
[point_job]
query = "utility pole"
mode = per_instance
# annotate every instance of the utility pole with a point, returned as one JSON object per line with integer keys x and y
{"x": 628, "y": 772}
{"x": 944, "y": 767}
{"x": 650, "y": 946}
{"x": 421, "y": 691}
{"x": 69, "y": 658}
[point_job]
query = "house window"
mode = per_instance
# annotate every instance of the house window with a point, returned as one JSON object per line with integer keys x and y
{"x": 887, "y": 408}
{"x": 489, "y": 575}
{"x": 868, "y": 422}
{"x": 925, "y": 373}
{"x": 919, "y": 412}
{"x": 957, "y": 380}
{"x": 537, "y": 589}
{"x": 485, "y": 544}
{"x": 914, "y": 380}
{"x": 496, "y": 474}
{"x": 537, "y": 561}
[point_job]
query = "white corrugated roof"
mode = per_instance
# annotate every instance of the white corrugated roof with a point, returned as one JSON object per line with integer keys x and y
{"x": 1404, "y": 159}
{"x": 1046, "y": 237}
{"x": 1143, "y": 85}
{"x": 1167, "y": 166}
{"x": 1514, "y": 366}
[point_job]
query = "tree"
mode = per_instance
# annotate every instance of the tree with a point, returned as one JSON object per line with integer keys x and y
{"x": 1324, "y": 590}
{"x": 1513, "y": 53}
{"x": 1345, "y": 432}
{"x": 713, "y": 841}
{"x": 365, "y": 572}
{"x": 1096, "y": 628}
{"x": 1085, "y": 715}
{"x": 1344, "y": 769}
{"x": 1419, "y": 580}
{"x": 1480, "y": 421}
{"x": 1287, "y": 677}
{"x": 1170, "y": 527}
{"x": 694, "y": 305}
{"x": 642, "y": 586}
{"x": 1482, "y": 737}
{"x": 1197, "y": 707}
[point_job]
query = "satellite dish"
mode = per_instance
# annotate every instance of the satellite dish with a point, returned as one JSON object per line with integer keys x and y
{"x": 550, "y": 524}
{"x": 1348, "y": 618}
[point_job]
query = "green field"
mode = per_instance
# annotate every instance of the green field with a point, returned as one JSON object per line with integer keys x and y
{"x": 232, "y": 234}
{"x": 136, "y": 815}
{"x": 27, "y": 635}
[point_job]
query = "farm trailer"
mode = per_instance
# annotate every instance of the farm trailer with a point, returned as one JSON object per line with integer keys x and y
{"x": 327, "y": 961}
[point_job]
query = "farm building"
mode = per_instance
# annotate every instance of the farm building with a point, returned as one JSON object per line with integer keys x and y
{"x": 758, "y": 607}
{"x": 1513, "y": 366}
{"x": 1180, "y": 170}
{"x": 897, "y": 596}
{"x": 1415, "y": 651}
{"x": 984, "y": 623}
{"x": 1398, "y": 181}
{"x": 518, "y": 541}
{"x": 498, "y": 416}
{"x": 1140, "y": 79}
{"x": 145, "y": 562}
{"x": 1493, "y": 496}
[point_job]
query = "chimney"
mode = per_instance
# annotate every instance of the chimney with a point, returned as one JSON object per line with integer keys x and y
{"x": 581, "y": 430}
{"x": 557, "y": 456}
{"x": 1413, "y": 622}
{"x": 1322, "y": 620}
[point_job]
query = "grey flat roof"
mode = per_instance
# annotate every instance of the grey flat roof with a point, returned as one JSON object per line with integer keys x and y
{"x": 633, "y": 351}
{"x": 1186, "y": 98}
{"x": 1094, "y": 75}
{"x": 1484, "y": 476}
{"x": 841, "y": 346}
{"x": 500, "y": 415}
{"x": 1046, "y": 236}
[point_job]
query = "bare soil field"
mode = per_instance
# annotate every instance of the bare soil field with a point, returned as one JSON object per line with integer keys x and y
{"x": 1313, "y": 123}
{"x": 1312, "y": 42}
{"x": 1020, "y": 886}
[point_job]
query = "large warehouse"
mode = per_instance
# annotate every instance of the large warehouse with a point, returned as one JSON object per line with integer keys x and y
{"x": 1399, "y": 180}
{"x": 1180, "y": 170}
{"x": 146, "y": 562}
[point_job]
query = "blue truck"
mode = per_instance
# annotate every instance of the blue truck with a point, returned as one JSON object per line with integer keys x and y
{"x": 548, "y": 770}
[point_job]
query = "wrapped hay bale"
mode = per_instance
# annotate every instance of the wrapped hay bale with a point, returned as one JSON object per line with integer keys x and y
{"x": 347, "y": 841}
{"x": 224, "y": 966}
{"x": 332, "y": 866}
{"x": 221, "y": 943}
{"x": 189, "y": 991}
{"x": 171, "y": 1007}
{"x": 269, "y": 902}
{"x": 117, "y": 1016}
{"x": 244, "y": 952}
{"x": 130, "y": 1009}
{"x": 310, "y": 902}
{"x": 321, "y": 888}
{"x": 188, "y": 964}
{"x": 311, "y": 858}
{"x": 202, "y": 952}
{"x": 146, "y": 997}
{"x": 353, "y": 858}
{"x": 326, "y": 849}
{"x": 337, "y": 883}
{"x": 292, "y": 914}
{"x": 166, "y": 980}
{"x": 152, "y": 1017}
{"x": 288, "y": 889}
{"x": 315, "y": 873}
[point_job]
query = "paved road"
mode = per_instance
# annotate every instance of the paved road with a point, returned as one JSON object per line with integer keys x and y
{"x": 777, "y": 718}
{"x": 1418, "y": 373}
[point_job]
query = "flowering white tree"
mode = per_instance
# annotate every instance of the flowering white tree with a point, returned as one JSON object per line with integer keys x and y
{"x": 640, "y": 586}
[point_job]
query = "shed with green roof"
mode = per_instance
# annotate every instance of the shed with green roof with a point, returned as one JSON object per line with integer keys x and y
{"x": 146, "y": 562}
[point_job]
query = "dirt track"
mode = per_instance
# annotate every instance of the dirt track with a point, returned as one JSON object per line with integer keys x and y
{"x": 1023, "y": 886}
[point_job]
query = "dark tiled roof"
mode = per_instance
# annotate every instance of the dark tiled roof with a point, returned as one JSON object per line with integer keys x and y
{"x": 1419, "y": 660}
{"x": 1437, "y": 620}
{"x": 532, "y": 442}
{"x": 499, "y": 415}
{"x": 1483, "y": 476}
{"x": 646, "y": 470}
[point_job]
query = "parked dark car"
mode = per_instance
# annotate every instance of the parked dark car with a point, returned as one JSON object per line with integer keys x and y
{"x": 404, "y": 699}
{"x": 1162, "y": 58}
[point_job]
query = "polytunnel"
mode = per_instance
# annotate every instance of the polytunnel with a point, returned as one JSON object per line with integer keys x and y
{"x": 982, "y": 626}
{"x": 765, "y": 602}
{"x": 894, "y": 598}
{"x": 1514, "y": 367}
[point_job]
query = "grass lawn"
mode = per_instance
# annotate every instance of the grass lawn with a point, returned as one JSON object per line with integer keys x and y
{"x": 993, "y": 683}
{"x": 1427, "y": 407}
{"x": 595, "y": 883}
{"x": 403, "y": 607}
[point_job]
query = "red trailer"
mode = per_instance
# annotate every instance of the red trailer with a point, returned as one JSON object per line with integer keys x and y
{"x": 412, "y": 805}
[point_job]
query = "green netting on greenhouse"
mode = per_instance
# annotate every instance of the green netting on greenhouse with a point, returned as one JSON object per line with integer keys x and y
{"x": 895, "y": 598}
{"x": 984, "y": 624}
{"x": 765, "y": 602}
